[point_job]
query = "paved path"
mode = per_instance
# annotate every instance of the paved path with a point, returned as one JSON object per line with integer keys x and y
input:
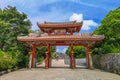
{"x": 59, "y": 71}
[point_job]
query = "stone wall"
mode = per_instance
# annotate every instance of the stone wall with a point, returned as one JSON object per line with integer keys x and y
{"x": 78, "y": 62}
{"x": 107, "y": 62}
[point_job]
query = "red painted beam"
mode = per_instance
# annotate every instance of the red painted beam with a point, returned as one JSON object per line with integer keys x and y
{"x": 59, "y": 44}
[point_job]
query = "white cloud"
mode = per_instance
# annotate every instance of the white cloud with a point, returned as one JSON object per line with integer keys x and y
{"x": 85, "y": 3}
{"x": 77, "y": 17}
{"x": 31, "y": 8}
{"x": 53, "y": 15}
{"x": 87, "y": 24}
{"x": 25, "y": 3}
{"x": 4, "y": 3}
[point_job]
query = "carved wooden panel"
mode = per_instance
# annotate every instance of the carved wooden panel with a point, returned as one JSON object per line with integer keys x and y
{"x": 60, "y": 31}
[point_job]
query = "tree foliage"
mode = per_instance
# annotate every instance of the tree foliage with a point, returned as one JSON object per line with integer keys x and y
{"x": 41, "y": 52}
{"x": 12, "y": 24}
{"x": 110, "y": 27}
{"x": 12, "y": 52}
{"x": 79, "y": 52}
{"x": 6, "y": 61}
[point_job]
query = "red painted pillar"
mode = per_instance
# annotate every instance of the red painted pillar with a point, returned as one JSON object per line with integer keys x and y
{"x": 49, "y": 56}
{"x": 88, "y": 56}
{"x": 33, "y": 57}
{"x": 46, "y": 60}
{"x": 72, "y": 57}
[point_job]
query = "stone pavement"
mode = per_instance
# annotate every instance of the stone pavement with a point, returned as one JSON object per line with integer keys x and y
{"x": 59, "y": 71}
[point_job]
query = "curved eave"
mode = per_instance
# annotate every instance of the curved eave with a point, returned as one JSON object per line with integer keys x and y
{"x": 77, "y": 39}
{"x": 80, "y": 26}
{"x": 61, "y": 38}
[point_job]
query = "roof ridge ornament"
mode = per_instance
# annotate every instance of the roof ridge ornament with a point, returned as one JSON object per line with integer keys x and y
{"x": 69, "y": 22}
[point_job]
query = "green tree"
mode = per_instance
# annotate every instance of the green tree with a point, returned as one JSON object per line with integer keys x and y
{"x": 12, "y": 24}
{"x": 9, "y": 60}
{"x": 41, "y": 52}
{"x": 110, "y": 27}
{"x": 79, "y": 52}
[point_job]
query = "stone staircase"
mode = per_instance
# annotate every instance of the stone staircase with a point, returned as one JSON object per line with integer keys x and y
{"x": 59, "y": 62}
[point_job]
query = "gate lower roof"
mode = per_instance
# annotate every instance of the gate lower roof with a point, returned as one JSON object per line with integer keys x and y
{"x": 83, "y": 38}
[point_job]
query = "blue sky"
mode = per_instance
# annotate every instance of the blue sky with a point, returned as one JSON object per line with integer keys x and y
{"x": 89, "y": 11}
